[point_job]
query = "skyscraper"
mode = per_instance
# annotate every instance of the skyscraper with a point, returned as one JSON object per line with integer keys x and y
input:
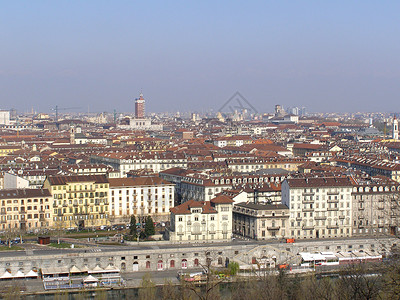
{"x": 139, "y": 107}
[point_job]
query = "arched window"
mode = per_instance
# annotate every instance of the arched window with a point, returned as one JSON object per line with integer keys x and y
{"x": 135, "y": 266}
{"x": 196, "y": 262}
{"x": 220, "y": 260}
{"x": 147, "y": 265}
{"x": 172, "y": 264}
{"x": 184, "y": 264}
{"x": 123, "y": 266}
{"x": 160, "y": 265}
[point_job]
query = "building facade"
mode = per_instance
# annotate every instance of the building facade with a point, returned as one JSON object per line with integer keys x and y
{"x": 142, "y": 197}
{"x": 375, "y": 208}
{"x": 320, "y": 207}
{"x": 79, "y": 201}
{"x": 199, "y": 221}
{"x": 25, "y": 209}
{"x": 260, "y": 221}
{"x": 139, "y": 107}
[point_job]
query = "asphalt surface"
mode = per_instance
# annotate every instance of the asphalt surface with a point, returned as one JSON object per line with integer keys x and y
{"x": 88, "y": 247}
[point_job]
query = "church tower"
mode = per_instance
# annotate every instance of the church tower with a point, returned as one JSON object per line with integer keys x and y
{"x": 395, "y": 129}
{"x": 139, "y": 107}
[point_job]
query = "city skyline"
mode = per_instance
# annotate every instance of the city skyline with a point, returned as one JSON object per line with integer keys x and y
{"x": 192, "y": 57}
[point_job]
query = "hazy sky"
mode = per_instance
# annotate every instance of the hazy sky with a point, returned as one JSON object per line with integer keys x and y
{"x": 193, "y": 55}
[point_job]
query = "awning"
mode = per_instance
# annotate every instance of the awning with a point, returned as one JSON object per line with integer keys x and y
{"x": 90, "y": 278}
{"x": 55, "y": 270}
{"x": 19, "y": 274}
{"x": 96, "y": 269}
{"x": 74, "y": 269}
{"x": 6, "y": 275}
{"x": 31, "y": 273}
{"x": 111, "y": 268}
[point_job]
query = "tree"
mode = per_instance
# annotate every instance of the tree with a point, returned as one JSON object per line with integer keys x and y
{"x": 233, "y": 268}
{"x": 132, "y": 227}
{"x": 149, "y": 227}
{"x": 147, "y": 290}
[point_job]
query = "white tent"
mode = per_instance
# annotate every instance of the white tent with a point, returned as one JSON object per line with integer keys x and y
{"x": 90, "y": 279}
{"x": 96, "y": 269}
{"x": 19, "y": 274}
{"x": 6, "y": 275}
{"x": 75, "y": 269}
{"x": 31, "y": 274}
{"x": 111, "y": 268}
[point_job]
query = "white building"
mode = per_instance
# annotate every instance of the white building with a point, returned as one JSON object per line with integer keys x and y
{"x": 199, "y": 221}
{"x": 320, "y": 207}
{"x": 127, "y": 161}
{"x": 140, "y": 196}
{"x": 395, "y": 129}
{"x": 4, "y": 117}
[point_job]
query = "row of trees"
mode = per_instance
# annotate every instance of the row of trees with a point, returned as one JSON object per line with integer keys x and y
{"x": 134, "y": 230}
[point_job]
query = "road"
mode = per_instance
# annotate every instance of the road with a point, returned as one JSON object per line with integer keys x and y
{"x": 91, "y": 247}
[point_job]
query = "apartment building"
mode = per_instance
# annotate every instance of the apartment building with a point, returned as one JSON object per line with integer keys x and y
{"x": 126, "y": 161}
{"x": 375, "y": 207}
{"x": 254, "y": 164}
{"x": 320, "y": 207}
{"x": 199, "y": 221}
{"x": 79, "y": 201}
{"x": 260, "y": 221}
{"x": 142, "y": 197}
{"x": 25, "y": 209}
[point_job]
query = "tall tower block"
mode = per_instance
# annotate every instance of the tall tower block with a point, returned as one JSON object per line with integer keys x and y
{"x": 395, "y": 131}
{"x": 139, "y": 107}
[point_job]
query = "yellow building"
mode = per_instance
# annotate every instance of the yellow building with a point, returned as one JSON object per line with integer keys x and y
{"x": 25, "y": 209}
{"x": 5, "y": 150}
{"x": 79, "y": 201}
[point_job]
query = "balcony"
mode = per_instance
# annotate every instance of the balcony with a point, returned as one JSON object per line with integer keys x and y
{"x": 189, "y": 223}
{"x": 332, "y": 226}
{"x": 333, "y": 201}
{"x": 333, "y": 208}
{"x": 332, "y": 193}
{"x": 308, "y": 209}
{"x": 320, "y": 218}
{"x": 308, "y": 193}
{"x": 305, "y": 201}
{"x": 273, "y": 227}
{"x": 381, "y": 208}
{"x": 341, "y": 217}
{"x": 308, "y": 227}
{"x": 299, "y": 219}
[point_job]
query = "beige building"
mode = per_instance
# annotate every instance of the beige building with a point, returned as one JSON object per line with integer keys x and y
{"x": 320, "y": 207}
{"x": 79, "y": 201}
{"x": 142, "y": 197}
{"x": 375, "y": 208}
{"x": 260, "y": 221}
{"x": 199, "y": 221}
{"x": 25, "y": 209}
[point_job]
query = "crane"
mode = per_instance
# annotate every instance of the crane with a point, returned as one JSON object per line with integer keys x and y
{"x": 56, "y": 109}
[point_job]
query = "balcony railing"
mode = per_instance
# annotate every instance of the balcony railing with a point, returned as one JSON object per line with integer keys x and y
{"x": 273, "y": 227}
